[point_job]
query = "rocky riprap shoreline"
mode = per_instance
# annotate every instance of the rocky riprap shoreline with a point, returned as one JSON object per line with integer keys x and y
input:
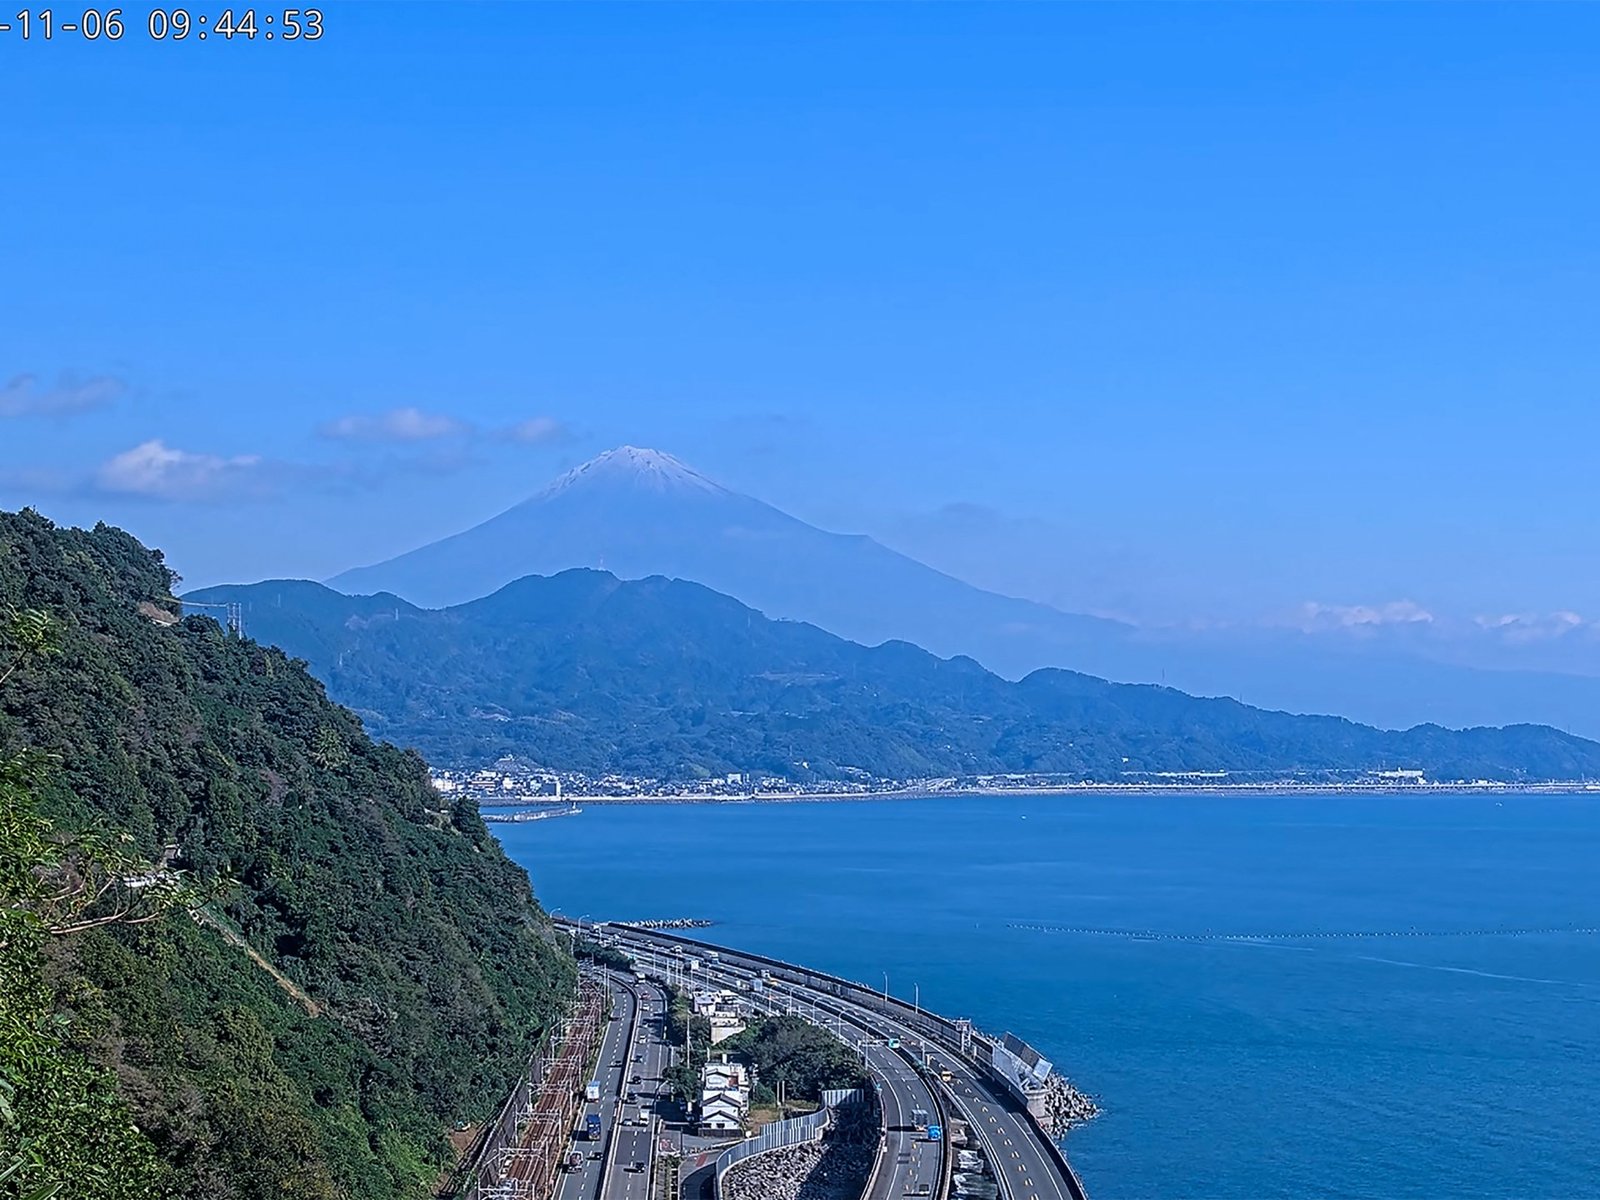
{"x": 1066, "y": 1106}
{"x": 826, "y": 1170}
{"x": 835, "y": 1167}
{"x": 668, "y": 923}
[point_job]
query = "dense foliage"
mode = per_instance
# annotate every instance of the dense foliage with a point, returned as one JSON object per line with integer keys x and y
{"x": 660, "y": 677}
{"x": 373, "y": 969}
{"x": 588, "y": 950}
{"x": 805, "y": 1059}
{"x": 62, "y": 1116}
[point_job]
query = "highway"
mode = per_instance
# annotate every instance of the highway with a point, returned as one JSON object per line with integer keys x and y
{"x": 908, "y": 1160}
{"x": 633, "y": 1060}
{"x": 909, "y": 1163}
{"x": 642, "y": 1070}
{"x": 1025, "y": 1167}
{"x": 588, "y": 1182}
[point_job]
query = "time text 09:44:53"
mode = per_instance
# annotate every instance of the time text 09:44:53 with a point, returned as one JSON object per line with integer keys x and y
{"x": 167, "y": 24}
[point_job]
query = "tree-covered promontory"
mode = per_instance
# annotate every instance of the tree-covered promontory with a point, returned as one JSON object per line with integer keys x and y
{"x": 360, "y": 967}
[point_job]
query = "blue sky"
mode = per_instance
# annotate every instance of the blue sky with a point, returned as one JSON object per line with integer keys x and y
{"x": 1179, "y": 311}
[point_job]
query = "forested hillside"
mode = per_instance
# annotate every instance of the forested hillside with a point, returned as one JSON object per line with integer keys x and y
{"x": 369, "y": 968}
{"x": 663, "y": 677}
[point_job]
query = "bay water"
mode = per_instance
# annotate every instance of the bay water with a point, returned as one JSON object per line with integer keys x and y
{"x": 1282, "y": 996}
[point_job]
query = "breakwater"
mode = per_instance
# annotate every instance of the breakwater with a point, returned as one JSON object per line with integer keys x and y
{"x": 1065, "y": 1106}
{"x": 666, "y": 923}
{"x": 542, "y": 813}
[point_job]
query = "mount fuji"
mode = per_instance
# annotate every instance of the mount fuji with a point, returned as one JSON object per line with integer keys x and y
{"x": 637, "y": 512}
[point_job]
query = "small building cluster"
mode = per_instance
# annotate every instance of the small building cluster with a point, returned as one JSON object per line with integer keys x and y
{"x": 721, "y": 1011}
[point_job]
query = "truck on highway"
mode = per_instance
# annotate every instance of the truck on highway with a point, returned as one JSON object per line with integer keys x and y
{"x": 591, "y": 1127}
{"x": 592, "y": 1092}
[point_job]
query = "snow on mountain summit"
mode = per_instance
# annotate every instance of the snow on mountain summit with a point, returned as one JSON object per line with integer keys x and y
{"x": 634, "y": 466}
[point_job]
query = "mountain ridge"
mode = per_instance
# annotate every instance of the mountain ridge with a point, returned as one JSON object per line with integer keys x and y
{"x": 585, "y": 671}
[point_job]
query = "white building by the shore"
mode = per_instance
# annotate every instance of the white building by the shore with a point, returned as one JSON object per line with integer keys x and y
{"x": 724, "y": 1097}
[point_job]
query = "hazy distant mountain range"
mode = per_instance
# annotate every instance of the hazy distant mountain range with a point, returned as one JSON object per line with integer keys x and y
{"x": 638, "y": 513}
{"x": 667, "y": 678}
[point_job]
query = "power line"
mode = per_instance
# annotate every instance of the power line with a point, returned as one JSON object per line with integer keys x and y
{"x": 234, "y": 610}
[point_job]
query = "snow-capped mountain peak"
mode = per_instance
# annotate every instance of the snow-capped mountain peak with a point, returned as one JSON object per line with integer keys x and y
{"x": 637, "y": 467}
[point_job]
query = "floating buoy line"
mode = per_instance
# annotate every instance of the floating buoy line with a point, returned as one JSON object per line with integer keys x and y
{"x": 1302, "y": 935}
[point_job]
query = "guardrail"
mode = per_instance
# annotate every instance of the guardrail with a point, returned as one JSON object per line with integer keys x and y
{"x": 1060, "y": 1156}
{"x": 772, "y": 1137}
{"x": 792, "y": 1132}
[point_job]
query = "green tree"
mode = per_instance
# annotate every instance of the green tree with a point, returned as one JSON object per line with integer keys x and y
{"x": 65, "y": 1130}
{"x": 377, "y": 972}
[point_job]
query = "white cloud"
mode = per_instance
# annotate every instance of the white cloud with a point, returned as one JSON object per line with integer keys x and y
{"x": 536, "y": 431}
{"x": 407, "y": 424}
{"x": 1315, "y": 617}
{"x": 23, "y": 396}
{"x": 1534, "y": 627}
{"x": 158, "y": 471}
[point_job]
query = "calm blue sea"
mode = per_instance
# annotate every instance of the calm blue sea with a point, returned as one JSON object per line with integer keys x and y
{"x": 1438, "y": 1066}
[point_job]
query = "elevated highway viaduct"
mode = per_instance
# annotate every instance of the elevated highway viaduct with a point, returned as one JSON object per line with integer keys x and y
{"x": 1027, "y": 1163}
{"x": 909, "y": 1163}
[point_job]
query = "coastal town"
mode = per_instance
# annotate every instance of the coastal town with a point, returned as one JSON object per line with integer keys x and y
{"x": 514, "y": 782}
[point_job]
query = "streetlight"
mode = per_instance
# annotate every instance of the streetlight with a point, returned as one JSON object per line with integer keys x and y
{"x": 886, "y": 987}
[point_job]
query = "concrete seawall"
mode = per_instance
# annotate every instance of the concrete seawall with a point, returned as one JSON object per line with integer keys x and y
{"x": 958, "y": 1037}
